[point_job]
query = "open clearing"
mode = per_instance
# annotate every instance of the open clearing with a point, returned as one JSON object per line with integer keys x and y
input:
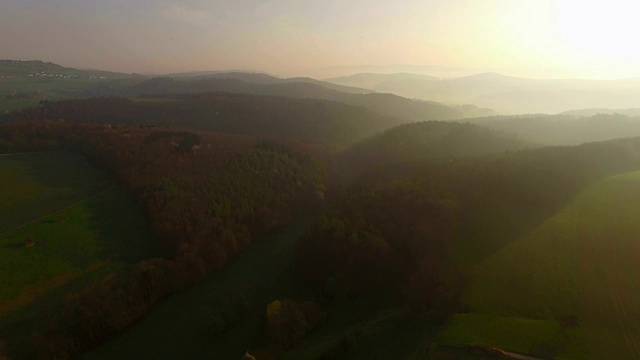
{"x": 61, "y": 221}
{"x": 568, "y": 289}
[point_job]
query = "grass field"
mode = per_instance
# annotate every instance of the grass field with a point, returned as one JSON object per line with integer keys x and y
{"x": 61, "y": 222}
{"x": 568, "y": 289}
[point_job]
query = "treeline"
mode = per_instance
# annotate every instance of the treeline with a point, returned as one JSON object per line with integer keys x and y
{"x": 412, "y": 229}
{"x": 207, "y": 197}
{"x": 329, "y": 124}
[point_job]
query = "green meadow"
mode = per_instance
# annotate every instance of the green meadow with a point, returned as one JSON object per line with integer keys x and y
{"x": 62, "y": 223}
{"x": 569, "y": 289}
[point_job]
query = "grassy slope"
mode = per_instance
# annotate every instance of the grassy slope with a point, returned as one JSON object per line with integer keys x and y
{"x": 36, "y": 184}
{"x": 581, "y": 263}
{"x": 82, "y": 226}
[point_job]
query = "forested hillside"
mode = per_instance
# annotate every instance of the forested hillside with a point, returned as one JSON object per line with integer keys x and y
{"x": 424, "y": 204}
{"x": 207, "y": 197}
{"x": 426, "y": 141}
{"x": 412, "y": 228}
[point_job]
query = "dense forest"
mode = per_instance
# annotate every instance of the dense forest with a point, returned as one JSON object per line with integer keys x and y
{"x": 207, "y": 196}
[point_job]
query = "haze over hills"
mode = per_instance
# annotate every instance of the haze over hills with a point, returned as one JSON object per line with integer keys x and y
{"x": 237, "y": 185}
{"x": 487, "y": 91}
{"x": 240, "y": 82}
{"x": 564, "y": 129}
{"x": 386, "y": 104}
{"x": 591, "y": 112}
{"x": 438, "y": 71}
{"x": 261, "y": 78}
{"x": 506, "y": 94}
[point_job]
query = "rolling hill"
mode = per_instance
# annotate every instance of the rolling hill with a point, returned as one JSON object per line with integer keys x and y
{"x": 24, "y": 80}
{"x": 262, "y": 78}
{"x": 385, "y": 104}
{"x": 427, "y": 141}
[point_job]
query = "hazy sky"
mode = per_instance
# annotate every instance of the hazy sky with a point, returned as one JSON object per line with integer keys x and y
{"x": 537, "y": 38}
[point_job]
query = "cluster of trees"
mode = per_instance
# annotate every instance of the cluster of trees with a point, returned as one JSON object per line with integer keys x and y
{"x": 287, "y": 322}
{"x": 207, "y": 197}
{"x": 412, "y": 228}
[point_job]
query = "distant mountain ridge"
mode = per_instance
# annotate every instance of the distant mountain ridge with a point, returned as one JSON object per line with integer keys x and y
{"x": 255, "y": 83}
{"x": 256, "y": 77}
{"x": 506, "y": 94}
{"x": 385, "y": 104}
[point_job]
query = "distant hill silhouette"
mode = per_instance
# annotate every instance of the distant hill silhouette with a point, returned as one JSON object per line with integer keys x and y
{"x": 506, "y": 94}
{"x": 385, "y": 104}
{"x": 564, "y": 129}
{"x": 591, "y": 112}
{"x": 264, "y": 79}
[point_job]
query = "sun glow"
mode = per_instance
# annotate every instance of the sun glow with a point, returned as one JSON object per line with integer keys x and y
{"x": 603, "y": 31}
{"x": 568, "y": 38}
